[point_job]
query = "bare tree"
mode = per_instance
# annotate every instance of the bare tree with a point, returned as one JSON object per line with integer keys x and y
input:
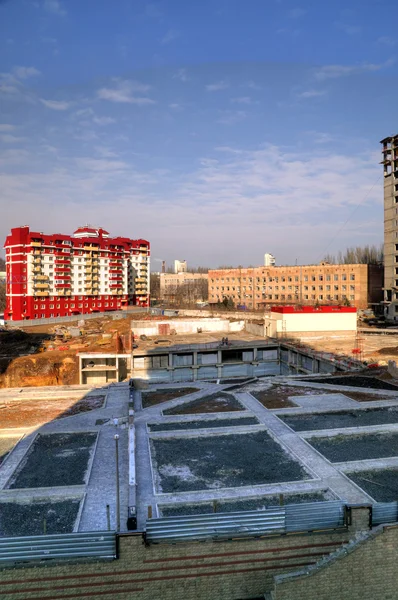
{"x": 358, "y": 255}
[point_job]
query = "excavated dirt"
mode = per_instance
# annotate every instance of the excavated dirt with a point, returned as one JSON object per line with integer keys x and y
{"x": 364, "y": 397}
{"x": 278, "y": 396}
{"x": 31, "y": 413}
{"x": 357, "y": 381}
{"x": 18, "y": 519}
{"x": 46, "y": 368}
{"x": 223, "y": 506}
{"x": 342, "y": 448}
{"x": 160, "y": 396}
{"x": 224, "y": 461}
{"x": 381, "y": 485}
{"x": 221, "y": 402}
{"x": 203, "y": 424}
{"x": 337, "y": 420}
{"x": 58, "y": 459}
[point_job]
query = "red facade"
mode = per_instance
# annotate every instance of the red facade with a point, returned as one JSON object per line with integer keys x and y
{"x": 59, "y": 275}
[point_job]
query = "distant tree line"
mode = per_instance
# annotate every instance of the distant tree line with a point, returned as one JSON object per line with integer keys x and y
{"x": 371, "y": 255}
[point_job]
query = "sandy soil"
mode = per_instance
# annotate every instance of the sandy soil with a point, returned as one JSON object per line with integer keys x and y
{"x": 31, "y": 413}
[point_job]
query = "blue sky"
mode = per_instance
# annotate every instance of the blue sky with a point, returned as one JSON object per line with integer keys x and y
{"x": 218, "y": 130}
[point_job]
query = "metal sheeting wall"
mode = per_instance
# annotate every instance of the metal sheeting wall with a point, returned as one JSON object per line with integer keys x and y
{"x": 100, "y": 544}
{"x": 384, "y": 512}
{"x": 293, "y": 517}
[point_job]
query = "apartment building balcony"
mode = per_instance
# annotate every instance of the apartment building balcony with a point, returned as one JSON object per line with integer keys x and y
{"x": 41, "y": 285}
{"x": 36, "y": 269}
{"x": 41, "y": 293}
{"x": 36, "y": 244}
{"x": 88, "y": 263}
{"x": 37, "y": 260}
{"x": 90, "y": 247}
{"x": 41, "y": 277}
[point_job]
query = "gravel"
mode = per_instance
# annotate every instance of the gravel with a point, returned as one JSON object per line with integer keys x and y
{"x": 213, "y": 462}
{"x": 27, "y": 519}
{"x": 58, "y": 459}
{"x": 356, "y": 381}
{"x": 219, "y": 402}
{"x": 342, "y": 448}
{"x": 238, "y": 505}
{"x": 382, "y": 484}
{"x": 202, "y": 424}
{"x": 337, "y": 420}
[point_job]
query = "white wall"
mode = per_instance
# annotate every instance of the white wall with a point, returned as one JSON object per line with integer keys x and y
{"x": 306, "y": 322}
{"x": 186, "y": 326}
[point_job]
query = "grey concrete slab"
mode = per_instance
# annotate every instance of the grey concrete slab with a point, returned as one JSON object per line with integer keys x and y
{"x": 389, "y": 428}
{"x": 208, "y": 432}
{"x": 307, "y": 455}
{"x": 369, "y": 464}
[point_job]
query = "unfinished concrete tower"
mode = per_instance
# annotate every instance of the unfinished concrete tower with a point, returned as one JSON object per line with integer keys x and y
{"x": 390, "y": 164}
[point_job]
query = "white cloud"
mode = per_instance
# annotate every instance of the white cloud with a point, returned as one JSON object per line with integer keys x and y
{"x": 103, "y": 120}
{"x": 335, "y": 71}
{"x": 217, "y": 86}
{"x": 252, "y": 85}
{"x": 295, "y": 200}
{"x": 243, "y": 100}
{"x": 175, "y": 106}
{"x": 7, "y": 127}
{"x": 311, "y": 94}
{"x": 11, "y": 139}
{"x": 181, "y": 74}
{"x": 296, "y": 13}
{"x": 54, "y": 7}
{"x": 56, "y": 104}
{"x": 25, "y": 72}
{"x": 388, "y": 41}
{"x": 170, "y": 36}
{"x": 349, "y": 29}
{"x": 230, "y": 117}
{"x": 124, "y": 91}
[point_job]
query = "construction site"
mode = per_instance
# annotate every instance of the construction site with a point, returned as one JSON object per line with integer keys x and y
{"x": 144, "y": 434}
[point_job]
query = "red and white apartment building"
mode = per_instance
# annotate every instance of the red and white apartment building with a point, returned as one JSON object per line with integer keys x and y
{"x": 59, "y": 275}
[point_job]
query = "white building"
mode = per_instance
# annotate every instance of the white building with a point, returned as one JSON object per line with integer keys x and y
{"x": 269, "y": 260}
{"x": 180, "y": 266}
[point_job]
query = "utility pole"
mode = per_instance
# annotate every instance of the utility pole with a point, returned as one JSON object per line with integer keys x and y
{"x": 117, "y": 483}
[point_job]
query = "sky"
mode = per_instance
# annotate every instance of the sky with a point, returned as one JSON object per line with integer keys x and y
{"x": 218, "y": 130}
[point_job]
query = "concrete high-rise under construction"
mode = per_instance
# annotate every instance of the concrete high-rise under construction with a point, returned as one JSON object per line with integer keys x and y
{"x": 390, "y": 164}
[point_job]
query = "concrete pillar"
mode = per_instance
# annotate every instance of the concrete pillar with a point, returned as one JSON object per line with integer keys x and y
{"x": 219, "y": 364}
{"x": 80, "y": 370}
{"x": 170, "y": 359}
{"x": 117, "y": 368}
{"x": 359, "y": 518}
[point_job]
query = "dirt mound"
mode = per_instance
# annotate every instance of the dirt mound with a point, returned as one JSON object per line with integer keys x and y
{"x": 57, "y": 368}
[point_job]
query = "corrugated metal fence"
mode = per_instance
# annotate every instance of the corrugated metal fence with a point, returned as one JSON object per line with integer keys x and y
{"x": 100, "y": 544}
{"x": 384, "y": 512}
{"x": 284, "y": 519}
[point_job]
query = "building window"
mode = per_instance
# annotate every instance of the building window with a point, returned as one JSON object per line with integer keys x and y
{"x": 36, "y": 306}
{"x": 306, "y": 297}
{"x": 58, "y": 306}
{"x": 336, "y": 297}
{"x": 320, "y": 297}
{"x": 320, "y": 277}
{"x": 343, "y": 288}
{"x": 43, "y": 316}
{"x": 328, "y": 278}
{"x": 352, "y": 288}
{"x": 344, "y": 277}
{"x": 336, "y": 288}
{"x": 335, "y": 277}
{"x": 320, "y": 288}
{"x": 51, "y": 305}
{"x": 352, "y": 277}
